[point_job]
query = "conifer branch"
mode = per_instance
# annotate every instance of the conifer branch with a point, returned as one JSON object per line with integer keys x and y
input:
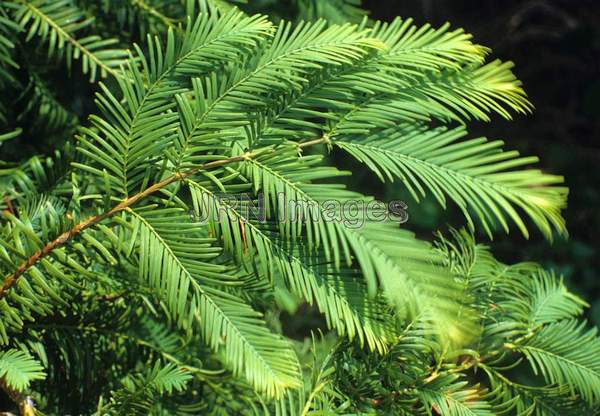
{"x": 61, "y": 240}
{"x": 71, "y": 39}
{"x": 168, "y": 140}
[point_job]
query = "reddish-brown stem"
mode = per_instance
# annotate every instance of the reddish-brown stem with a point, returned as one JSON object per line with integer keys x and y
{"x": 11, "y": 279}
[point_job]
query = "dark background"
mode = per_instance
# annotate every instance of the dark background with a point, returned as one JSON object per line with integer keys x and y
{"x": 556, "y": 48}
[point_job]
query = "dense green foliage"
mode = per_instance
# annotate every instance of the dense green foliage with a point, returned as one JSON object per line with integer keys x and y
{"x": 131, "y": 285}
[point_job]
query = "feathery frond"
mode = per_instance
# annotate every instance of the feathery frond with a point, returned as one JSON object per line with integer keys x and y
{"x": 8, "y": 31}
{"x": 140, "y": 392}
{"x": 18, "y": 369}
{"x": 134, "y": 134}
{"x": 183, "y": 279}
{"x": 565, "y": 353}
{"x": 58, "y": 24}
{"x": 446, "y": 396}
{"x": 339, "y": 294}
{"x": 476, "y": 174}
